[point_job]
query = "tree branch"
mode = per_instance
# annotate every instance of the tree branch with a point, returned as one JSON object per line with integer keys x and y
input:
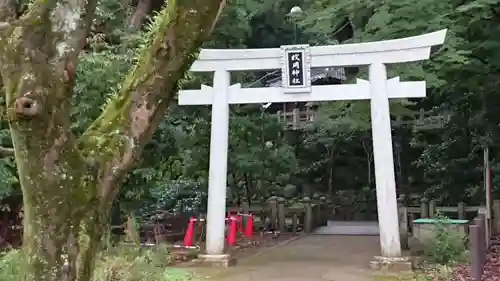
{"x": 137, "y": 18}
{"x": 129, "y": 121}
{"x": 6, "y": 151}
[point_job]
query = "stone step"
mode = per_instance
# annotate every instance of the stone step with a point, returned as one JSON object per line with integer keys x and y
{"x": 349, "y": 228}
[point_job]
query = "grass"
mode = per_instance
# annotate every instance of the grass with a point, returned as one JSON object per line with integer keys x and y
{"x": 439, "y": 272}
{"x": 122, "y": 263}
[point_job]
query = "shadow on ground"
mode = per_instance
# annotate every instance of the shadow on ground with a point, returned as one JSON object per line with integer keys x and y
{"x": 310, "y": 258}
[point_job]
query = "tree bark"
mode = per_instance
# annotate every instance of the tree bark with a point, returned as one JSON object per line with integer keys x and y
{"x": 369, "y": 156}
{"x": 8, "y": 9}
{"x": 69, "y": 184}
{"x": 330, "y": 166}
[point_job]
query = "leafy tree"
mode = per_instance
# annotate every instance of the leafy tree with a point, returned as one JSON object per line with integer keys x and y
{"x": 446, "y": 145}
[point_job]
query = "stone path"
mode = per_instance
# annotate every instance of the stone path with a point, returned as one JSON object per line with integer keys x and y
{"x": 310, "y": 258}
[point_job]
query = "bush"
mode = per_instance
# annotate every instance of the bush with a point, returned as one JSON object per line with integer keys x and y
{"x": 436, "y": 273}
{"x": 122, "y": 263}
{"x": 446, "y": 246}
{"x": 10, "y": 266}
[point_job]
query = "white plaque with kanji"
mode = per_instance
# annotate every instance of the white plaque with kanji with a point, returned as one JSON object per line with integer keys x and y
{"x": 296, "y": 68}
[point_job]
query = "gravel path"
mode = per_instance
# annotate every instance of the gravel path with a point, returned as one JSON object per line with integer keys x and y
{"x": 310, "y": 258}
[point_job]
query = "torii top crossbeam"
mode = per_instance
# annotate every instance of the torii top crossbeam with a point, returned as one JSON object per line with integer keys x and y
{"x": 408, "y": 49}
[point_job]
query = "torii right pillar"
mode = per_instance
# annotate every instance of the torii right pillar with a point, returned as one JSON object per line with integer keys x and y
{"x": 388, "y": 216}
{"x": 391, "y": 258}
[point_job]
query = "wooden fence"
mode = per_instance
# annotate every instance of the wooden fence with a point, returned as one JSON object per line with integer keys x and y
{"x": 288, "y": 217}
{"x": 279, "y": 214}
{"x": 429, "y": 209}
{"x": 298, "y": 118}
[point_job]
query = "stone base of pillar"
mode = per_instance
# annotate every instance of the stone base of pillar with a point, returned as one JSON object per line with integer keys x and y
{"x": 223, "y": 260}
{"x": 392, "y": 265}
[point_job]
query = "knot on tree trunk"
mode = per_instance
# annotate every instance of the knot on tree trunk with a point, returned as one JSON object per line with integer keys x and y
{"x": 27, "y": 107}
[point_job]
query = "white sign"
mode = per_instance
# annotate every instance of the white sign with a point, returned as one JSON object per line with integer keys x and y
{"x": 296, "y": 68}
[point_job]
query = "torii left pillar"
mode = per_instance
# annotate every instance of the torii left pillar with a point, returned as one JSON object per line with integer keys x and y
{"x": 217, "y": 180}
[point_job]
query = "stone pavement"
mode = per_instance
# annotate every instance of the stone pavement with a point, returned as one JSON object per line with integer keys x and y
{"x": 310, "y": 258}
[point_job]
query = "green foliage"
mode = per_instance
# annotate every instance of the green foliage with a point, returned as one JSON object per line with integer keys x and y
{"x": 9, "y": 184}
{"x": 98, "y": 73}
{"x": 257, "y": 150}
{"x": 11, "y": 266}
{"x": 122, "y": 263}
{"x": 129, "y": 264}
{"x": 446, "y": 245}
{"x": 462, "y": 103}
{"x": 435, "y": 272}
{"x": 111, "y": 17}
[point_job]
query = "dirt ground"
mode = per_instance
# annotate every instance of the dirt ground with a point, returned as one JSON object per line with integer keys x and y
{"x": 309, "y": 258}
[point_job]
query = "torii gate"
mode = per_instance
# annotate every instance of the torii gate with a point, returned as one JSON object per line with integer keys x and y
{"x": 295, "y": 62}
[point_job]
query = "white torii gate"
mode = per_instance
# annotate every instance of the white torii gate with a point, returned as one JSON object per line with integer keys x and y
{"x": 295, "y": 62}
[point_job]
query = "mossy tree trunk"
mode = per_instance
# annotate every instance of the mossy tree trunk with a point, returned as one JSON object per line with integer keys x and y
{"x": 69, "y": 183}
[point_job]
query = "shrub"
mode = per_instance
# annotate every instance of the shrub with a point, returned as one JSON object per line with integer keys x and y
{"x": 446, "y": 246}
{"x": 10, "y": 266}
{"x": 121, "y": 263}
